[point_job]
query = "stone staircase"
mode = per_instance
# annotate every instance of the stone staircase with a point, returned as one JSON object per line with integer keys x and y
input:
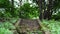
{"x": 28, "y": 26}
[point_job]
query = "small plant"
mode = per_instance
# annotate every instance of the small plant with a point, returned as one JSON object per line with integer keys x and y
{"x": 5, "y": 31}
{"x": 53, "y": 26}
{"x": 7, "y": 25}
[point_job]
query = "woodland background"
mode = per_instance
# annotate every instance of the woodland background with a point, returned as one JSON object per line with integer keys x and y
{"x": 48, "y": 11}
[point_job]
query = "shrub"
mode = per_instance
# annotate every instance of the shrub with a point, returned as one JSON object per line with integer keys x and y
{"x": 7, "y": 25}
{"x": 28, "y": 11}
{"x": 5, "y": 31}
{"x": 53, "y": 26}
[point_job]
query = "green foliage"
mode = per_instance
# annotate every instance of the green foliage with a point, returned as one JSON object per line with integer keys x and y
{"x": 5, "y": 31}
{"x": 56, "y": 8}
{"x": 28, "y": 11}
{"x": 35, "y": 32}
{"x": 53, "y": 26}
{"x": 57, "y": 4}
{"x": 5, "y": 7}
{"x": 56, "y": 15}
{"x": 7, "y": 25}
{"x": 4, "y": 3}
{"x": 13, "y": 20}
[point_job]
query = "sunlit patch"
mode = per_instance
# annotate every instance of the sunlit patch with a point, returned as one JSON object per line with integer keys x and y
{"x": 30, "y": 1}
{"x": 31, "y": 5}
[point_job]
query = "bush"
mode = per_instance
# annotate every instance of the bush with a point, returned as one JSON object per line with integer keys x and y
{"x": 28, "y": 11}
{"x": 7, "y": 25}
{"x": 53, "y": 26}
{"x": 5, "y": 31}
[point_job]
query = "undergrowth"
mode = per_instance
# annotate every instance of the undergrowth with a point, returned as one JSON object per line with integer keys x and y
{"x": 52, "y": 25}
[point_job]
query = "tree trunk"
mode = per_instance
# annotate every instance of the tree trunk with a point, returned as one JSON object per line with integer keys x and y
{"x": 12, "y": 8}
{"x": 45, "y": 9}
{"x": 40, "y": 9}
{"x": 49, "y": 9}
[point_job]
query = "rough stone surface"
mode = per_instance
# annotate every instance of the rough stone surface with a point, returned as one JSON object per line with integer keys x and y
{"x": 26, "y": 25}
